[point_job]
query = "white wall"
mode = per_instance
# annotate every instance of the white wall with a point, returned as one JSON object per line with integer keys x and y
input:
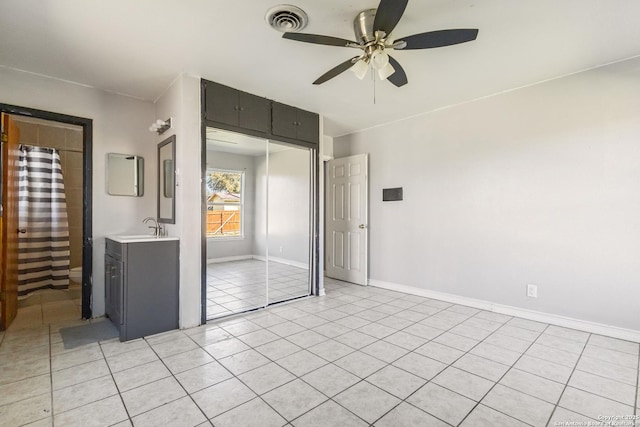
{"x": 288, "y": 199}
{"x": 120, "y": 125}
{"x": 327, "y": 148}
{"x": 540, "y": 185}
{"x": 181, "y": 101}
{"x": 232, "y": 247}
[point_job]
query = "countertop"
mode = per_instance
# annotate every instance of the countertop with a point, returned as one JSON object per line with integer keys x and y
{"x": 139, "y": 238}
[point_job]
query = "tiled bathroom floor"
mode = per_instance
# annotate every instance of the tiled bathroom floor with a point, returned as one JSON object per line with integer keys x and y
{"x": 237, "y": 286}
{"x": 50, "y": 306}
{"x": 358, "y": 356}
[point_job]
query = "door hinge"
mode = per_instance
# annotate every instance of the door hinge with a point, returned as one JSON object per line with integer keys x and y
{"x": 5, "y": 137}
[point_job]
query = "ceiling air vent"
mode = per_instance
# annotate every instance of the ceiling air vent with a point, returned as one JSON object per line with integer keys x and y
{"x": 286, "y": 18}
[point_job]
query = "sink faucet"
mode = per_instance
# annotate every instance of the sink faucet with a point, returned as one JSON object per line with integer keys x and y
{"x": 156, "y": 227}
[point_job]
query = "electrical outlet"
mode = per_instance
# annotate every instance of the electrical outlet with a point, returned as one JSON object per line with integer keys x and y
{"x": 532, "y": 291}
{"x": 281, "y": 249}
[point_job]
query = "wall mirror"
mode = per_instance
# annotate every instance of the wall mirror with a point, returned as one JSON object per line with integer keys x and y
{"x": 125, "y": 175}
{"x": 166, "y": 180}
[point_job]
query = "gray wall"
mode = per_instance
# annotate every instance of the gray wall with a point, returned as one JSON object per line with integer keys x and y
{"x": 217, "y": 248}
{"x": 289, "y": 187}
{"x": 540, "y": 185}
{"x": 119, "y": 126}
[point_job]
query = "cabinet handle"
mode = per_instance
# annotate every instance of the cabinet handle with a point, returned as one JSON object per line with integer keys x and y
{"x": 113, "y": 272}
{"x": 241, "y": 108}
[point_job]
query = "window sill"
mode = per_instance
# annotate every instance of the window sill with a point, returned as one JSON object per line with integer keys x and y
{"x": 224, "y": 239}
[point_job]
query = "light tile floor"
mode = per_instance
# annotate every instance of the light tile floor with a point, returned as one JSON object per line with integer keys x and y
{"x": 358, "y": 356}
{"x": 237, "y": 286}
{"x": 51, "y": 306}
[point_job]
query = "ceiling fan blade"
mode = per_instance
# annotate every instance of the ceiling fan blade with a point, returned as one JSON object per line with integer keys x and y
{"x": 318, "y": 39}
{"x": 335, "y": 71}
{"x": 399, "y": 77}
{"x": 388, "y": 14}
{"x": 439, "y": 38}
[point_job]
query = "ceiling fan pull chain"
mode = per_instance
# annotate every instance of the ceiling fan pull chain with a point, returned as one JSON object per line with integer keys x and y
{"x": 373, "y": 78}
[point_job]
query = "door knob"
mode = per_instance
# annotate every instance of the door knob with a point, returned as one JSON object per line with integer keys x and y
{"x": 22, "y": 230}
{"x": 362, "y": 226}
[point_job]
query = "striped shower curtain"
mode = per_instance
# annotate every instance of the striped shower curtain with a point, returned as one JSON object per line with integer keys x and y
{"x": 44, "y": 230}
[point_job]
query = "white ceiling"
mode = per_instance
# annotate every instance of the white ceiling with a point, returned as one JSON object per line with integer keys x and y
{"x": 138, "y": 47}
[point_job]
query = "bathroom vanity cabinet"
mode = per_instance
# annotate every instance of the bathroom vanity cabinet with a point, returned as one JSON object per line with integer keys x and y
{"x": 141, "y": 284}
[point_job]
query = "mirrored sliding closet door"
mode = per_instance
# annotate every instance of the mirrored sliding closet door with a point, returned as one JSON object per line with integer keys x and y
{"x": 258, "y": 222}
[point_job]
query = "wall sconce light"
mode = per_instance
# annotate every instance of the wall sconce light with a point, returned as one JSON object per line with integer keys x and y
{"x": 160, "y": 126}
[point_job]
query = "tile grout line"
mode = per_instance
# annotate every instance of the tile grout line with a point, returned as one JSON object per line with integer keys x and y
{"x": 329, "y": 398}
{"x": 258, "y": 396}
{"x": 174, "y": 378}
{"x": 500, "y": 379}
{"x": 497, "y": 331}
{"x": 82, "y": 382}
{"x": 451, "y": 365}
{"x": 126, "y": 410}
{"x": 347, "y": 314}
{"x": 481, "y": 341}
{"x": 234, "y": 275}
{"x": 413, "y": 351}
{"x": 429, "y": 380}
{"x": 566, "y": 385}
{"x": 314, "y": 370}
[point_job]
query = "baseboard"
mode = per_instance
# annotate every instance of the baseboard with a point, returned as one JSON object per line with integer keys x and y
{"x": 282, "y": 261}
{"x": 289, "y": 262}
{"x": 538, "y": 316}
{"x": 229, "y": 259}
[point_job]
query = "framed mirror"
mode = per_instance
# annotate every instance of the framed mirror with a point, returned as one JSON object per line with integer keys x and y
{"x": 166, "y": 180}
{"x": 125, "y": 175}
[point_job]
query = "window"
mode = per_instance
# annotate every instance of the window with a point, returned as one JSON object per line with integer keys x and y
{"x": 225, "y": 203}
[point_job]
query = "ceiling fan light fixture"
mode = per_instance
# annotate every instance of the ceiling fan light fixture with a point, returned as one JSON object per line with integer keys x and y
{"x": 379, "y": 59}
{"x": 360, "y": 68}
{"x": 386, "y": 71}
{"x": 373, "y": 29}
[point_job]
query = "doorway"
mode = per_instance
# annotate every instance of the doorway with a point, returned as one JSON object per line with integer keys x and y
{"x": 67, "y": 140}
{"x": 347, "y": 219}
{"x": 259, "y": 220}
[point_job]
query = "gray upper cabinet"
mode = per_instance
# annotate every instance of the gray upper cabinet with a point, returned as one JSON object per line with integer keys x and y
{"x": 237, "y": 111}
{"x": 235, "y": 108}
{"x": 294, "y": 123}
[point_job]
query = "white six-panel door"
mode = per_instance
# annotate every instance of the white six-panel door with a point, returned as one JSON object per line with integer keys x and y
{"x": 347, "y": 219}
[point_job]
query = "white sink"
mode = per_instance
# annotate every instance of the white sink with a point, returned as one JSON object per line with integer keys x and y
{"x": 135, "y": 238}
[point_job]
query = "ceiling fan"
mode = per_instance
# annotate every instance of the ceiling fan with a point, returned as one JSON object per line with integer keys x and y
{"x": 373, "y": 29}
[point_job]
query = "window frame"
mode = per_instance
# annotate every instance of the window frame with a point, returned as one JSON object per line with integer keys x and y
{"x": 241, "y": 204}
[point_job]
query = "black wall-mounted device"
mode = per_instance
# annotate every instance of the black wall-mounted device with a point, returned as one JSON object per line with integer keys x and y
{"x": 391, "y": 194}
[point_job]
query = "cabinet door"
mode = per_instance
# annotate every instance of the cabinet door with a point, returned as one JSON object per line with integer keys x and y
{"x": 117, "y": 295}
{"x": 308, "y": 126}
{"x": 283, "y": 120}
{"x": 255, "y": 112}
{"x": 108, "y": 284}
{"x": 114, "y": 287}
{"x": 221, "y": 104}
